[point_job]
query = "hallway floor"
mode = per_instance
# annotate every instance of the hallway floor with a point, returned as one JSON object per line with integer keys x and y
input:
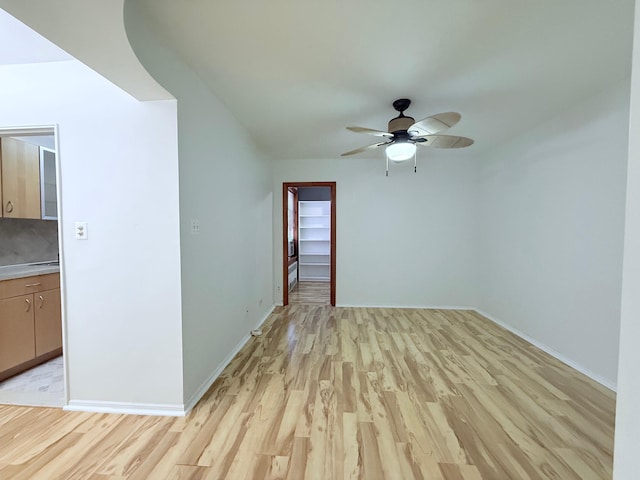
{"x": 311, "y": 292}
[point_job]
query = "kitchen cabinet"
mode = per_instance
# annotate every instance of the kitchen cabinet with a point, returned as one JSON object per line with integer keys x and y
{"x": 48, "y": 184}
{"x": 20, "y": 164}
{"x": 30, "y": 322}
{"x": 47, "y": 321}
{"x": 16, "y": 331}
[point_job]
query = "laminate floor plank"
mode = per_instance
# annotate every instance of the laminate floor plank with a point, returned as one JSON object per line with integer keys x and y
{"x": 346, "y": 393}
{"x": 310, "y": 292}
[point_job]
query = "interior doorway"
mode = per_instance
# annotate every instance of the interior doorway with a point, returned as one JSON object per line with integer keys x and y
{"x": 309, "y": 241}
{"x": 32, "y": 370}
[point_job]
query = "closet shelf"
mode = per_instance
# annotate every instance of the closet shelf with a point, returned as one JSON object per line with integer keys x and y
{"x": 314, "y": 235}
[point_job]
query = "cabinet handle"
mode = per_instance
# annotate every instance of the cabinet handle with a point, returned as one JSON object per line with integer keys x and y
{"x": 9, "y": 207}
{"x": 41, "y": 301}
{"x": 28, "y": 304}
{"x": 32, "y": 284}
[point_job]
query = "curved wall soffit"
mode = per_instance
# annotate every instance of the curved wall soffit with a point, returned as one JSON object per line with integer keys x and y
{"x": 93, "y": 32}
{"x": 135, "y": 23}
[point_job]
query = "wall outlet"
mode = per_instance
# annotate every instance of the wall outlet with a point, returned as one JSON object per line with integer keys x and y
{"x": 195, "y": 226}
{"x": 82, "y": 231}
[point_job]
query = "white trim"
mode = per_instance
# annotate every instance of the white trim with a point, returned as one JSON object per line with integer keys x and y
{"x": 27, "y": 131}
{"x": 158, "y": 409}
{"x": 195, "y": 398}
{"x": 567, "y": 361}
{"x": 181, "y": 410}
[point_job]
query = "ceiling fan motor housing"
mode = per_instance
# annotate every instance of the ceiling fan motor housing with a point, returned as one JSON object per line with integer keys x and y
{"x": 400, "y": 123}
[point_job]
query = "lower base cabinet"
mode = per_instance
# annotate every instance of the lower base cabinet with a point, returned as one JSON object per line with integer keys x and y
{"x": 48, "y": 321}
{"x": 17, "y": 331}
{"x": 30, "y": 323}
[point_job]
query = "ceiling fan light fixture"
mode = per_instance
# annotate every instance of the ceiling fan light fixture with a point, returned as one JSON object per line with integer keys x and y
{"x": 401, "y": 151}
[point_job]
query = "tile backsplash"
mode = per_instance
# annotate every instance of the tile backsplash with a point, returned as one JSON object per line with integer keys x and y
{"x": 26, "y": 241}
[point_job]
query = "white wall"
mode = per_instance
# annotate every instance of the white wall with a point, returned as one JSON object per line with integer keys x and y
{"x": 118, "y": 170}
{"x": 552, "y": 204}
{"x": 627, "y": 441}
{"x": 225, "y": 183}
{"x": 404, "y": 240}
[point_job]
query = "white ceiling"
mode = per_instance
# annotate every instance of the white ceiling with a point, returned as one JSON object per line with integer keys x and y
{"x": 296, "y": 72}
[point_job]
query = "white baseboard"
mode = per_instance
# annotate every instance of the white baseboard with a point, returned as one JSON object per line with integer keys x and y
{"x": 165, "y": 410}
{"x": 179, "y": 410}
{"x": 216, "y": 373}
{"x": 585, "y": 371}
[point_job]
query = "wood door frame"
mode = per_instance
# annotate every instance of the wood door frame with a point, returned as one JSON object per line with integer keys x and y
{"x": 285, "y": 230}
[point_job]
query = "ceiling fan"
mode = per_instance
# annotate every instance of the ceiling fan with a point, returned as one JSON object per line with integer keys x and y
{"x": 404, "y": 133}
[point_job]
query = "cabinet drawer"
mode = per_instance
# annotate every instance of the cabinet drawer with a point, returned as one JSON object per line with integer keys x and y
{"x": 26, "y": 285}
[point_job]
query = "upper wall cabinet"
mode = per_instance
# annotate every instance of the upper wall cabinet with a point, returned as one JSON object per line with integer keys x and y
{"x": 48, "y": 190}
{"x": 20, "y": 179}
{"x": 28, "y": 180}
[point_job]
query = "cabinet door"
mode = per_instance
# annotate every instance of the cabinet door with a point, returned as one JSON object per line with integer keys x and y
{"x": 20, "y": 179}
{"x": 48, "y": 321}
{"x": 16, "y": 331}
{"x": 48, "y": 188}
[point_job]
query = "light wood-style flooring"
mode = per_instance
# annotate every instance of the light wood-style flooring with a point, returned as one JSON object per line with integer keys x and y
{"x": 311, "y": 292}
{"x": 346, "y": 393}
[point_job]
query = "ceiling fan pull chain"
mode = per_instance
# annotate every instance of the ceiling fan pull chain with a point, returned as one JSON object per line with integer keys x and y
{"x": 415, "y": 162}
{"x": 387, "y": 174}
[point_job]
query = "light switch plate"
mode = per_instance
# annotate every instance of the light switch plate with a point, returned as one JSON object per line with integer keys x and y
{"x": 82, "y": 232}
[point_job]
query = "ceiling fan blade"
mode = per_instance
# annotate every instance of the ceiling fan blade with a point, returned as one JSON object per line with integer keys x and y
{"x": 362, "y": 149}
{"x": 370, "y": 131}
{"x": 444, "y": 141}
{"x": 434, "y": 124}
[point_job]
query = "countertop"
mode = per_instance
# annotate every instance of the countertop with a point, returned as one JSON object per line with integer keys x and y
{"x": 27, "y": 270}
